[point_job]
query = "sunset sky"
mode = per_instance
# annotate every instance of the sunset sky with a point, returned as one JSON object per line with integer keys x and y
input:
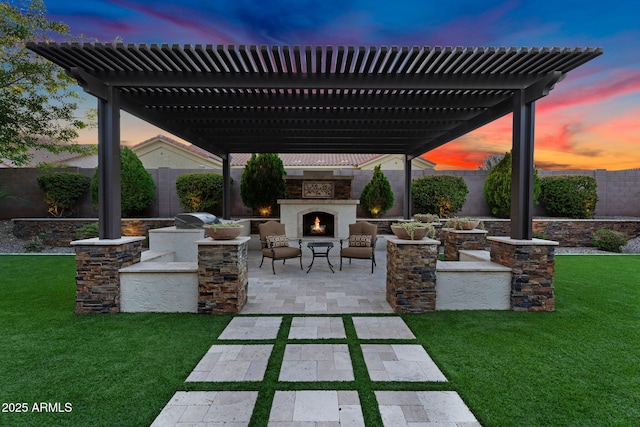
{"x": 590, "y": 120}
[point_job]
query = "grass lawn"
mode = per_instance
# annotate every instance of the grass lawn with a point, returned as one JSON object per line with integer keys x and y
{"x": 577, "y": 366}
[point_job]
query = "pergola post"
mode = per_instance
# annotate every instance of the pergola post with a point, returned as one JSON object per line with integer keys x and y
{"x": 522, "y": 171}
{"x": 407, "y": 187}
{"x": 109, "y": 201}
{"x": 226, "y": 187}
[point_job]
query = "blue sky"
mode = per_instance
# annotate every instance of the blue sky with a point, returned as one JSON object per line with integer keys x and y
{"x": 590, "y": 116}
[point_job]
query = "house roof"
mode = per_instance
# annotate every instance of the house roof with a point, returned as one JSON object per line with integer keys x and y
{"x": 323, "y": 99}
{"x": 40, "y": 156}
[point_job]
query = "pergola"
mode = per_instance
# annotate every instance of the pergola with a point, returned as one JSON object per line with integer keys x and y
{"x": 261, "y": 99}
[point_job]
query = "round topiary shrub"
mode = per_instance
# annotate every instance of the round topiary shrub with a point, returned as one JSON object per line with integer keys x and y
{"x": 377, "y": 197}
{"x": 573, "y": 196}
{"x": 442, "y": 195}
{"x": 62, "y": 191}
{"x": 200, "y": 192}
{"x": 609, "y": 240}
{"x": 137, "y": 189}
{"x": 497, "y": 188}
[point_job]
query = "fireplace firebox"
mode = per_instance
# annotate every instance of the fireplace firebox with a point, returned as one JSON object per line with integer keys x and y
{"x": 318, "y": 224}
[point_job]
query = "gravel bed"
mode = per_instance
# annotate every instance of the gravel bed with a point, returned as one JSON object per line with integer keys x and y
{"x": 11, "y": 244}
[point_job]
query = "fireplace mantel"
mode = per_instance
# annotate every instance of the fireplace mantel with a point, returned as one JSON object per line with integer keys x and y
{"x": 292, "y": 211}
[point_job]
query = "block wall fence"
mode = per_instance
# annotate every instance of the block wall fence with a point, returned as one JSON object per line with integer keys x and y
{"x": 618, "y": 191}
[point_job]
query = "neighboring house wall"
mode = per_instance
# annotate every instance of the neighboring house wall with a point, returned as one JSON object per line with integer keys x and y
{"x": 160, "y": 154}
{"x": 618, "y": 191}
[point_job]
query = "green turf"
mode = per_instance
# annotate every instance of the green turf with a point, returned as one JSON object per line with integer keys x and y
{"x": 577, "y": 366}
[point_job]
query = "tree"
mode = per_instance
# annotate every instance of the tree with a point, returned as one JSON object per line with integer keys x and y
{"x": 261, "y": 184}
{"x": 62, "y": 190}
{"x": 442, "y": 195}
{"x": 200, "y": 192}
{"x": 497, "y": 188}
{"x": 377, "y": 197}
{"x": 138, "y": 191}
{"x": 37, "y": 103}
{"x": 490, "y": 161}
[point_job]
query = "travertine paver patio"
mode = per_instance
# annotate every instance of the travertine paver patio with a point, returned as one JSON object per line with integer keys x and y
{"x": 325, "y": 408}
{"x": 397, "y": 362}
{"x": 208, "y": 408}
{"x": 400, "y": 362}
{"x": 382, "y": 328}
{"x": 424, "y": 408}
{"x": 316, "y": 328}
{"x": 246, "y": 362}
{"x": 251, "y": 328}
{"x": 291, "y": 290}
{"x": 316, "y": 362}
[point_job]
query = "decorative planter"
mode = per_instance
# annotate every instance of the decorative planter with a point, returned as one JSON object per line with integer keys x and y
{"x": 223, "y": 233}
{"x": 401, "y": 233}
{"x": 426, "y": 218}
{"x": 463, "y": 223}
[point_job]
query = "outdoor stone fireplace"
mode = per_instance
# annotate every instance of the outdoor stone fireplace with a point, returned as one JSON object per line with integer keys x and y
{"x": 320, "y": 195}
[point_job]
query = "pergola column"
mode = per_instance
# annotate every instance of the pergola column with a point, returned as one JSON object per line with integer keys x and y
{"x": 522, "y": 168}
{"x": 109, "y": 201}
{"x": 407, "y": 187}
{"x": 226, "y": 187}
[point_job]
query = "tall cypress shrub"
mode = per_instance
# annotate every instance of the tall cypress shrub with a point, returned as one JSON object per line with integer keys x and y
{"x": 497, "y": 188}
{"x": 261, "y": 184}
{"x": 137, "y": 192}
{"x": 377, "y": 197}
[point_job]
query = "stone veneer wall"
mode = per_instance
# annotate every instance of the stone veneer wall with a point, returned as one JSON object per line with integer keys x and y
{"x": 341, "y": 186}
{"x": 533, "y": 268}
{"x": 456, "y": 240}
{"x": 223, "y": 275}
{"x": 97, "y": 272}
{"x": 568, "y": 232}
{"x": 411, "y": 275}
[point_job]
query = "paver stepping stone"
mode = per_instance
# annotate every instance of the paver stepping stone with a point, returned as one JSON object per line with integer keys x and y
{"x": 400, "y": 362}
{"x": 424, "y": 408}
{"x": 246, "y": 362}
{"x": 316, "y": 328}
{"x": 194, "y": 408}
{"x": 382, "y": 328}
{"x": 252, "y": 328}
{"x": 316, "y": 362}
{"x": 324, "y": 407}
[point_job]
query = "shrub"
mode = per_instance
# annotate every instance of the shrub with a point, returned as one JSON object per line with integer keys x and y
{"x": 87, "y": 231}
{"x": 261, "y": 184}
{"x": 62, "y": 191}
{"x": 442, "y": 195}
{"x": 34, "y": 245}
{"x": 609, "y": 240}
{"x": 200, "y": 192}
{"x": 569, "y": 196}
{"x": 497, "y": 188}
{"x": 137, "y": 190}
{"x": 377, "y": 197}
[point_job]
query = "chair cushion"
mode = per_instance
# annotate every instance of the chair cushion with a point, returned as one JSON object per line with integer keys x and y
{"x": 282, "y": 252}
{"x": 357, "y": 252}
{"x": 278, "y": 241}
{"x": 356, "y": 240}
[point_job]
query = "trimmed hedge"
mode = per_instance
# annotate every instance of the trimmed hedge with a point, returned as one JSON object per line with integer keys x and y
{"x": 573, "y": 196}
{"x": 62, "y": 191}
{"x": 200, "y": 192}
{"x": 442, "y": 195}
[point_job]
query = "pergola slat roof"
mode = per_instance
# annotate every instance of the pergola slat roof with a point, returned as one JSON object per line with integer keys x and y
{"x": 237, "y": 99}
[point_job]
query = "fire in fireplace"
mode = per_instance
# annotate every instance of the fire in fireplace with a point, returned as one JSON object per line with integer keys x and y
{"x": 318, "y": 224}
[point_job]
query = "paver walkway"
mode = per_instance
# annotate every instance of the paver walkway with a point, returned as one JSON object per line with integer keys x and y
{"x": 244, "y": 362}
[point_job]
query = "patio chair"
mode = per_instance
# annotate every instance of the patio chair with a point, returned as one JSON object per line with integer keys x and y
{"x": 361, "y": 243}
{"x": 275, "y": 244}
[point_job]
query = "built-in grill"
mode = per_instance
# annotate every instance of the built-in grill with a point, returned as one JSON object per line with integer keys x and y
{"x": 195, "y": 219}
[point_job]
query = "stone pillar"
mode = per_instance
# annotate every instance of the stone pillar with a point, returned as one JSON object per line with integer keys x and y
{"x": 223, "y": 276}
{"x": 411, "y": 274}
{"x": 455, "y": 240}
{"x": 97, "y": 271}
{"x": 533, "y": 264}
